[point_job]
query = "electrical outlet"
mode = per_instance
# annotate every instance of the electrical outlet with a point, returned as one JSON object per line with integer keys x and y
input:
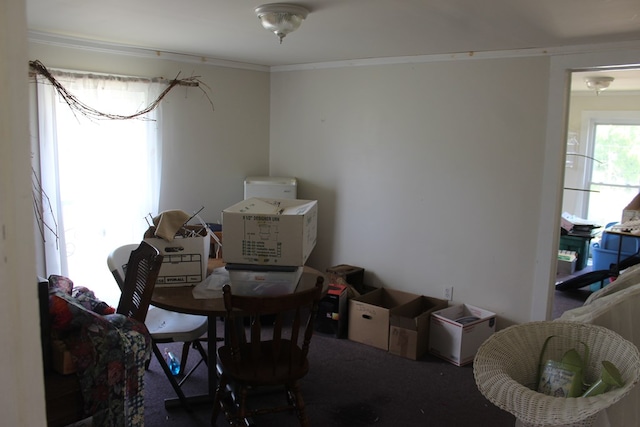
{"x": 448, "y": 293}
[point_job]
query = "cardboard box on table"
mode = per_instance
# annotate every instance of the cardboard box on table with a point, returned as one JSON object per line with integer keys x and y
{"x": 278, "y": 232}
{"x": 409, "y": 327}
{"x": 455, "y": 337}
{"x": 185, "y": 258}
{"x": 369, "y": 315}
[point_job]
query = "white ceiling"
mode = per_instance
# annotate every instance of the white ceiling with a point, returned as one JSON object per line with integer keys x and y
{"x": 338, "y": 30}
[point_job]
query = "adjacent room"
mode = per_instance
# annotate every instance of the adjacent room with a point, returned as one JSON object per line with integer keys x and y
{"x": 440, "y": 142}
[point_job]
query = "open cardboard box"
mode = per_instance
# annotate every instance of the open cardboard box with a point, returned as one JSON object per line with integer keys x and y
{"x": 185, "y": 258}
{"x": 409, "y": 327}
{"x": 369, "y": 315}
{"x": 458, "y": 331}
{"x": 270, "y": 231}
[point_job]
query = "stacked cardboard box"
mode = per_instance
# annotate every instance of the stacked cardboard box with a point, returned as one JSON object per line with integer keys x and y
{"x": 332, "y": 312}
{"x": 266, "y": 243}
{"x": 185, "y": 258}
{"x": 350, "y": 274}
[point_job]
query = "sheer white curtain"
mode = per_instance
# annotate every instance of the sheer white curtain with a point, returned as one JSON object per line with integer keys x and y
{"x": 101, "y": 177}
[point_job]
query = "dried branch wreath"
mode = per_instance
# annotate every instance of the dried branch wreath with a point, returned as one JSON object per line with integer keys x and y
{"x": 78, "y": 106}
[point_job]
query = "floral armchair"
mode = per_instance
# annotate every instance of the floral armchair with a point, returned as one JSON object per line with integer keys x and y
{"x": 109, "y": 352}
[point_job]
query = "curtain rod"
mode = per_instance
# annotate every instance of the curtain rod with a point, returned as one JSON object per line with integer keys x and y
{"x": 38, "y": 67}
{"x": 35, "y": 67}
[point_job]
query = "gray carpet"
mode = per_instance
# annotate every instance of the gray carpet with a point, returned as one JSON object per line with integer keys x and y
{"x": 351, "y": 385}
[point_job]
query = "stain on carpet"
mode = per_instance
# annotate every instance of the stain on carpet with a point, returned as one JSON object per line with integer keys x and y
{"x": 356, "y": 414}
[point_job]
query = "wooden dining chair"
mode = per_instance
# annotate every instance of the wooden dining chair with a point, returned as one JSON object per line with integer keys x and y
{"x": 139, "y": 281}
{"x": 270, "y": 351}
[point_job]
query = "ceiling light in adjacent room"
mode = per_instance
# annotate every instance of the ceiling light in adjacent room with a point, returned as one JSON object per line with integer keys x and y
{"x": 281, "y": 18}
{"x": 598, "y": 83}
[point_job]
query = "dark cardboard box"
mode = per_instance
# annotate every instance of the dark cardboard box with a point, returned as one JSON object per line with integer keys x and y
{"x": 332, "y": 316}
{"x": 351, "y": 274}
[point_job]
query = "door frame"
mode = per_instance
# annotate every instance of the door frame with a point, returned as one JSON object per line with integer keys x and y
{"x": 561, "y": 67}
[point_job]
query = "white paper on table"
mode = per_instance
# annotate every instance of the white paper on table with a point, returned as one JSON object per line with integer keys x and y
{"x": 211, "y": 287}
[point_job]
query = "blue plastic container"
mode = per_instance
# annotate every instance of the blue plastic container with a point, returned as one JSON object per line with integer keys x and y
{"x": 611, "y": 241}
{"x": 605, "y": 253}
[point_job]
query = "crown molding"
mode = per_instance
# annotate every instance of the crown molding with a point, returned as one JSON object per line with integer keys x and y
{"x": 139, "y": 52}
{"x": 464, "y": 56}
{"x": 113, "y": 48}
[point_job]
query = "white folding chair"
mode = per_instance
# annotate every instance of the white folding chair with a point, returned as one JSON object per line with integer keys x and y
{"x": 165, "y": 326}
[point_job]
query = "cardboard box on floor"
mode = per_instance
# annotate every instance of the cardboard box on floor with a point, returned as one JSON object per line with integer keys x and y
{"x": 454, "y": 336}
{"x": 369, "y": 315}
{"x": 270, "y": 231}
{"x": 409, "y": 327}
{"x": 185, "y": 258}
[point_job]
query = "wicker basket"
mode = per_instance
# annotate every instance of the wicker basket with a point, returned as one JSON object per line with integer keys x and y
{"x": 506, "y": 371}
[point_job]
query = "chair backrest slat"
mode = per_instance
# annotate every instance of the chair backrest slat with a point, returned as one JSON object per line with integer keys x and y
{"x": 140, "y": 279}
{"x": 285, "y": 322}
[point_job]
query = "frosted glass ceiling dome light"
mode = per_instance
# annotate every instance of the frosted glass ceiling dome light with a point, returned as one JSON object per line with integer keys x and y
{"x": 280, "y": 18}
{"x": 598, "y": 83}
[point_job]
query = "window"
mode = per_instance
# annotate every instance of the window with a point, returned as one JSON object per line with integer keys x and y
{"x": 613, "y": 176}
{"x": 102, "y": 176}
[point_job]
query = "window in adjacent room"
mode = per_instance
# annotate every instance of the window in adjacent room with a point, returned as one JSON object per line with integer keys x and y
{"x": 613, "y": 141}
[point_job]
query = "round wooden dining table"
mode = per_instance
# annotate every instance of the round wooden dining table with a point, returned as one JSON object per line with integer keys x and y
{"x": 181, "y": 299}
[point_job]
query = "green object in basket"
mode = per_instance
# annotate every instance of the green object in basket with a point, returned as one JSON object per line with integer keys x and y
{"x": 562, "y": 378}
{"x": 609, "y": 378}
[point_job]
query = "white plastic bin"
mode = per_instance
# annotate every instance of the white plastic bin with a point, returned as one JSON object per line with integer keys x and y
{"x": 264, "y": 282}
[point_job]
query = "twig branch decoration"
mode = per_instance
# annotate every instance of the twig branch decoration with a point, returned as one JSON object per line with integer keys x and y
{"x": 41, "y": 202}
{"x": 76, "y": 105}
{"x": 40, "y": 199}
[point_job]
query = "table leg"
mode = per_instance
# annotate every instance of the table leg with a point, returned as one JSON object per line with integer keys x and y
{"x": 212, "y": 347}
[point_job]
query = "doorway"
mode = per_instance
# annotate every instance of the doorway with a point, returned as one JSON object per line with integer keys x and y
{"x": 602, "y": 166}
{"x": 551, "y": 199}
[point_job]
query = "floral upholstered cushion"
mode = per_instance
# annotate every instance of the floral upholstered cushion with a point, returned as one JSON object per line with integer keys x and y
{"x": 109, "y": 351}
{"x": 87, "y": 298}
{"x": 61, "y": 283}
{"x": 59, "y": 310}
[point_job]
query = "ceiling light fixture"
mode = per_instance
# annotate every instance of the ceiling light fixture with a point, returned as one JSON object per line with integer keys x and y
{"x": 281, "y": 18}
{"x": 598, "y": 83}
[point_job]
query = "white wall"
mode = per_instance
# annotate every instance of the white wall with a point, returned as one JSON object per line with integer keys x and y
{"x": 427, "y": 175}
{"x": 207, "y": 150}
{"x": 22, "y": 391}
